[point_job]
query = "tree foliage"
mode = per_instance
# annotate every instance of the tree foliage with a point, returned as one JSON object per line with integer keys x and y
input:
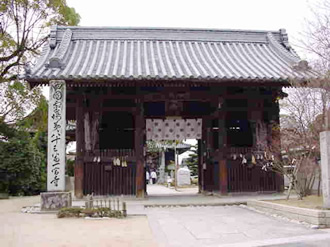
{"x": 20, "y": 163}
{"x": 23, "y": 153}
{"x": 316, "y": 36}
{"x": 302, "y": 117}
{"x": 301, "y": 122}
{"x": 306, "y": 110}
{"x": 192, "y": 161}
{"x": 23, "y": 30}
{"x": 16, "y": 100}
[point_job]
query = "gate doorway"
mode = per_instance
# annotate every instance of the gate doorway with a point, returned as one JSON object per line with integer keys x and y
{"x": 172, "y": 156}
{"x": 171, "y": 168}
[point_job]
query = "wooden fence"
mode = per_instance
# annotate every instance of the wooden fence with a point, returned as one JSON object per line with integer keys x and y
{"x": 107, "y": 179}
{"x": 252, "y": 179}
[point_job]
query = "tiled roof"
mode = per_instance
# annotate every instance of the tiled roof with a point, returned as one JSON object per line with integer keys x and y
{"x": 85, "y": 53}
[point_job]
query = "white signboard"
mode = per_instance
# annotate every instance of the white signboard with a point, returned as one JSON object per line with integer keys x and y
{"x": 173, "y": 129}
{"x": 56, "y": 136}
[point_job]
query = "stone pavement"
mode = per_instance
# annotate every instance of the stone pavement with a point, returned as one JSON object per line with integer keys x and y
{"x": 225, "y": 226}
{"x": 200, "y": 221}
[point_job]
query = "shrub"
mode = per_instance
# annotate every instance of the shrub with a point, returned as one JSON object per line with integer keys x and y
{"x": 89, "y": 212}
{"x": 69, "y": 212}
{"x": 20, "y": 162}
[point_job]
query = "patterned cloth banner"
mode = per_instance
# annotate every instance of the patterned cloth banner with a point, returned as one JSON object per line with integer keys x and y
{"x": 173, "y": 129}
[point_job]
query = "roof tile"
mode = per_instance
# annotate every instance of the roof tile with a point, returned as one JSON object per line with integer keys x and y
{"x": 114, "y": 53}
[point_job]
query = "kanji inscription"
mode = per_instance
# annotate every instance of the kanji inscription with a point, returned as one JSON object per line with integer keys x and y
{"x": 56, "y": 136}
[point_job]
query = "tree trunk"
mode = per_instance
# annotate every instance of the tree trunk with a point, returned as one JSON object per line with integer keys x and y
{"x": 290, "y": 187}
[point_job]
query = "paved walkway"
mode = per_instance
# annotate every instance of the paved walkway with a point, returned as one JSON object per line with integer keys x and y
{"x": 224, "y": 225}
{"x": 203, "y": 223}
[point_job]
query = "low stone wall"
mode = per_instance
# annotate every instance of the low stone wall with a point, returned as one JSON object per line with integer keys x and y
{"x": 321, "y": 218}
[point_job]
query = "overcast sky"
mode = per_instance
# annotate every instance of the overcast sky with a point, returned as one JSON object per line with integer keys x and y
{"x": 219, "y": 14}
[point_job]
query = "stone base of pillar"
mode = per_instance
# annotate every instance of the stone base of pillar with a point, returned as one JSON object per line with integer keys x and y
{"x": 51, "y": 201}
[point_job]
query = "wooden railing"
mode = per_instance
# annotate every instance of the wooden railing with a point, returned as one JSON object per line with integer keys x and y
{"x": 110, "y": 172}
{"x": 248, "y": 176}
{"x": 107, "y": 179}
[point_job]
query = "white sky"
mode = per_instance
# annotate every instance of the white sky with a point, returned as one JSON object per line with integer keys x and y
{"x": 219, "y": 14}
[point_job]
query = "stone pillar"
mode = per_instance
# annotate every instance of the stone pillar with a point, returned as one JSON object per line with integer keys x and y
{"x": 55, "y": 197}
{"x": 56, "y": 136}
{"x": 325, "y": 166}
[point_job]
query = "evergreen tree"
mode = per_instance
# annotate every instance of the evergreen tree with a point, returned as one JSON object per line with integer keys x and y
{"x": 192, "y": 161}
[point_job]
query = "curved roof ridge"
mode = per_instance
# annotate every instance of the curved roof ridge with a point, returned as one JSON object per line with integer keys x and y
{"x": 191, "y": 34}
{"x": 168, "y": 28}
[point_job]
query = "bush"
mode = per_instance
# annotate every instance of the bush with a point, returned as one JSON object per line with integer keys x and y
{"x": 69, "y": 212}
{"x": 21, "y": 163}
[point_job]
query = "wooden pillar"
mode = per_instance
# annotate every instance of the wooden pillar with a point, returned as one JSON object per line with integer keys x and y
{"x": 200, "y": 166}
{"x": 222, "y": 154}
{"x": 80, "y": 149}
{"x": 203, "y": 158}
{"x": 206, "y": 150}
{"x": 139, "y": 145}
{"x": 276, "y": 140}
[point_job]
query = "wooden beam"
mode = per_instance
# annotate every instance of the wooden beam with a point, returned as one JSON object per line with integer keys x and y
{"x": 80, "y": 148}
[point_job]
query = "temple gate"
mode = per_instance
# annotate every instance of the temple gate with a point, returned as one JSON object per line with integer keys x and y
{"x": 120, "y": 82}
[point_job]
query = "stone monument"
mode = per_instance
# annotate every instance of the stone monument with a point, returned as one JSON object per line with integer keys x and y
{"x": 183, "y": 176}
{"x": 56, "y": 197}
{"x": 162, "y": 175}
